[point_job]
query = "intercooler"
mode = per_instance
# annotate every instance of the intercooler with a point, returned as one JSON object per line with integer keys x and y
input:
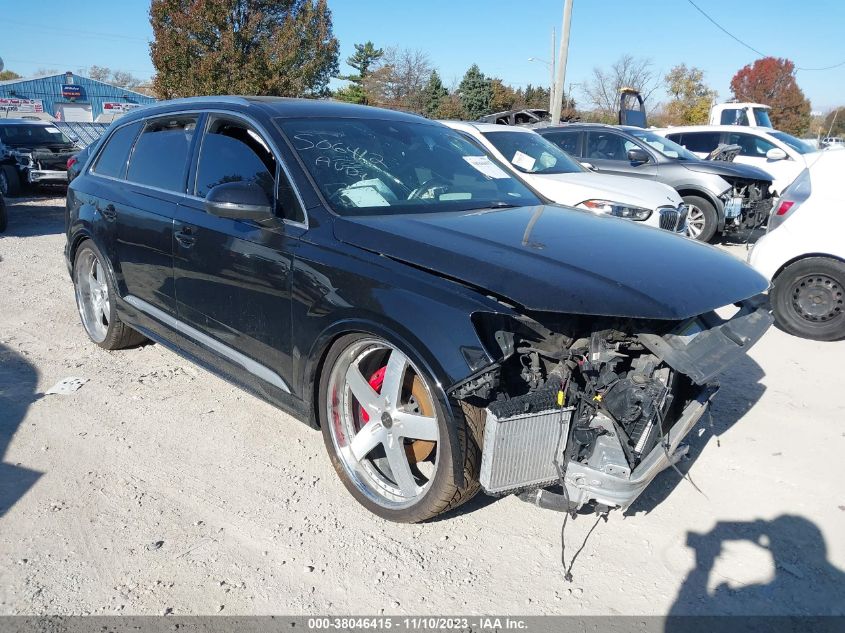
{"x": 520, "y": 451}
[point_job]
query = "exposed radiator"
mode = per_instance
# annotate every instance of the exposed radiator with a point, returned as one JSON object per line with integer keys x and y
{"x": 519, "y": 451}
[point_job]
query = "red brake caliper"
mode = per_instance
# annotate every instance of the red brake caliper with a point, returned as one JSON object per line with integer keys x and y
{"x": 376, "y": 381}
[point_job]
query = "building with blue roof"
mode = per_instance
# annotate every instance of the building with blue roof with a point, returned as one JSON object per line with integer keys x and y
{"x": 67, "y": 97}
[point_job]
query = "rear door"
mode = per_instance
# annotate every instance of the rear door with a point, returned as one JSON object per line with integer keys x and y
{"x": 154, "y": 185}
{"x": 607, "y": 151}
{"x": 233, "y": 277}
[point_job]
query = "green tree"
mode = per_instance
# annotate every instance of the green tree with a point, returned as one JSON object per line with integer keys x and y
{"x": 771, "y": 81}
{"x": 362, "y": 60}
{"x": 691, "y": 98}
{"x": 261, "y": 47}
{"x": 433, "y": 94}
{"x": 6, "y": 75}
{"x": 450, "y": 108}
{"x": 475, "y": 92}
{"x": 834, "y": 123}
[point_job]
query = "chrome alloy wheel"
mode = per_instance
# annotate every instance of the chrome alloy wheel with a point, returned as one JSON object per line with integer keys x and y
{"x": 383, "y": 423}
{"x": 695, "y": 222}
{"x": 92, "y": 295}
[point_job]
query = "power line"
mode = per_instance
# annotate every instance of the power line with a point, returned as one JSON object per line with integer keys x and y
{"x": 94, "y": 34}
{"x": 748, "y": 46}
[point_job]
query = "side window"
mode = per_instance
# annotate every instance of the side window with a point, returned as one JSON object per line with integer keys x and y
{"x": 606, "y": 146}
{"x": 734, "y": 116}
{"x": 752, "y": 146}
{"x": 112, "y": 160}
{"x": 567, "y": 141}
{"x": 161, "y": 153}
{"x": 703, "y": 142}
{"x": 232, "y": 152}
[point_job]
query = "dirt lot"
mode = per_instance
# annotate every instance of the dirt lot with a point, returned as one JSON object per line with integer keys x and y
{"x": 158, "y": 488}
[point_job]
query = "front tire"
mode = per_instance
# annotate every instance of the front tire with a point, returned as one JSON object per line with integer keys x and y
{"x": 96, "y": 295}
{"x": 702, "y": 219}
{"x": 807, "y": 299}
{"x": 10, "y": 182}
{"x": 3, "y": 216}
{"x": 388, "y": 436}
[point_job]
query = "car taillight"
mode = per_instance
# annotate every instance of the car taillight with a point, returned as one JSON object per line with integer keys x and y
{"x": 784, "y": 207}
{"x": 71, "y": 161}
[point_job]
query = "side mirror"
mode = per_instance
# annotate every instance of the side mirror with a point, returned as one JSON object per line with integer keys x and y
{"x": 239, "y": 201}
{"x": 638, "y": 155}
{"x": 590, "y": 166}
{"x": 776, "y": 153}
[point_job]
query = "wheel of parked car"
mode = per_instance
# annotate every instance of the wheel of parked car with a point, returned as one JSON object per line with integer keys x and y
{"x": 388, "y": 436}
{"x": 3, "y": 216}
{"x": 808, "y": 299}
{"x": 702, "y": 219}
{"x": 95, "y": 298}
{"x": 10, "y": 182}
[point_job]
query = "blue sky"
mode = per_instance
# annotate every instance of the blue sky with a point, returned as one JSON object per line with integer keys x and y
{"x": 496, "y": 34}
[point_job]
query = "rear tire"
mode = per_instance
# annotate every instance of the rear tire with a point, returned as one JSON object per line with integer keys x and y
{"x": 96, "y": 297}
{"x": 367, "y": 473}
{"x": 807, "y": 299}
{"x": 702, "y": 219}
{"x": 10, "y": 182}
{"x": 3, "y": 216}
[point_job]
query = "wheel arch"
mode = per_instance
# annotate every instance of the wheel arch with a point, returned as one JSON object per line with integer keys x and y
{"x": 395, "y": 334}
{"x": 802, "y": 257}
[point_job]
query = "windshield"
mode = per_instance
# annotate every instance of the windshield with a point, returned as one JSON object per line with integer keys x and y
{"x": 27, "y": 135}
{"x": 802, "y": 147}
{"x": 371, "y": 166}
{"x": 762, "y": 117}
{"x": 668, "y": 148}
{"x": 532, "y": 154}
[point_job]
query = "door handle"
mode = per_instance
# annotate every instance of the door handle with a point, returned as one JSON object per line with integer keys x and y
{"x": 109, "y": 212}
{"x": 186, "y": 235}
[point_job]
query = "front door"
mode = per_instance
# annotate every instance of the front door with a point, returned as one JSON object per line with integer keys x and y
{"x": 607, "y": 152}
{"x": 233, "y": 277}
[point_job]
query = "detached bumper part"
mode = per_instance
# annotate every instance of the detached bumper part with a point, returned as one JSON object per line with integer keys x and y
{"x": 704, "y": 346}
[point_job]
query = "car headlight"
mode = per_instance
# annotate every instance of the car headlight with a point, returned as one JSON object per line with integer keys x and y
{"x": 618, "y": 209}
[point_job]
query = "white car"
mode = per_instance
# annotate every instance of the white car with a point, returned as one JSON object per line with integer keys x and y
{"x": 562, "y": 179}
{"x": 803, "y": 252}
{"x": 779, "y": 153}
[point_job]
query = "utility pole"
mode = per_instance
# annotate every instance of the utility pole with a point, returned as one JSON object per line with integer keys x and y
{"x": 552, "y": 75}
{"x": 561, "y": 63}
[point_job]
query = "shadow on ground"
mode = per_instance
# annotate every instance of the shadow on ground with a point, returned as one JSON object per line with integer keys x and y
{"x": 18, "y": 383}
{"x": 805, "y": 583}
{"x": 36, "y": 215}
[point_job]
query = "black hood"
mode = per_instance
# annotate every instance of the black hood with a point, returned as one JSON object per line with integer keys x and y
{"x": 562, "y": 260}
{"x": 726, "y": 169}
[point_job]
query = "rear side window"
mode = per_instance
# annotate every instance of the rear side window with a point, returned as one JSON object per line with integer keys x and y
{"x": 161, "y": 153}
{"x": 232, "y": 152}
{"x": 115, "y": 154}
{"x": 703, "y": 142}
{"x": 567, "y": 141}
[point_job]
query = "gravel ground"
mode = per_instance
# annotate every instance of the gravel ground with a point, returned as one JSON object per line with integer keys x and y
{"x": 158, "y": 488}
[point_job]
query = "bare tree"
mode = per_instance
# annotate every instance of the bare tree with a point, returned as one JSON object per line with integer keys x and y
{"x": 399, "y": 80}
{"x": 602, "y": 91}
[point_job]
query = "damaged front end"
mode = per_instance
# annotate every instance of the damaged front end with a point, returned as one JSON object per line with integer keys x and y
{"x": 597, "y": 407}
{"x": 747, "y": 203}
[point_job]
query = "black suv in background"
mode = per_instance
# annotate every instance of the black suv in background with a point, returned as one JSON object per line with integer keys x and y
{"x": 722, "y": 197}
{"x": 32, "y": 153}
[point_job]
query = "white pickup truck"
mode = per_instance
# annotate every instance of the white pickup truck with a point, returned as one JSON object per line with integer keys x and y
{"x": 752, "y": 114}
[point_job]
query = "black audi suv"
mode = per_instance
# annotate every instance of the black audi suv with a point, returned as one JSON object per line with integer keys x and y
{"x": 379, "y": 276}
